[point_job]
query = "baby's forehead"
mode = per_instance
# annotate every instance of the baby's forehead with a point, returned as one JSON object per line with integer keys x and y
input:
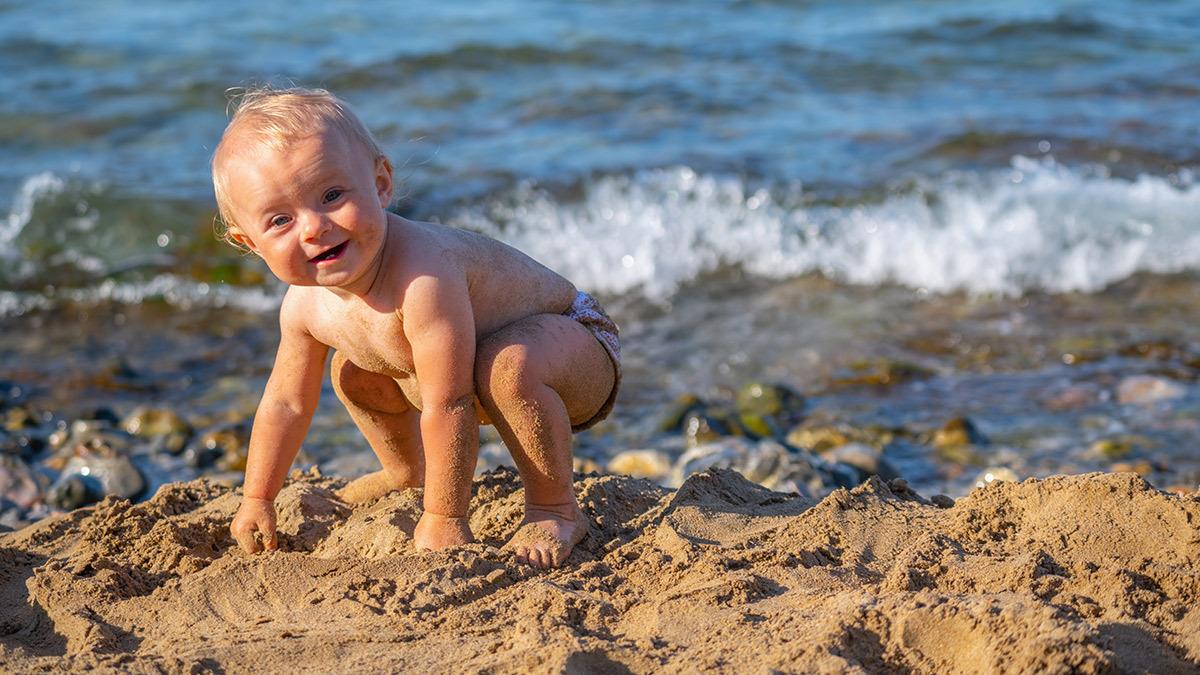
{"x": 256, "y": 143}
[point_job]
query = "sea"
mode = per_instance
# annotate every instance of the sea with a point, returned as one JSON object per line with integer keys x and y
{"x": 993, "y": 204}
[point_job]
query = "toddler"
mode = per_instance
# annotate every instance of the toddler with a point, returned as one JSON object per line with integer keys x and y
{"x": 435, "y": 331}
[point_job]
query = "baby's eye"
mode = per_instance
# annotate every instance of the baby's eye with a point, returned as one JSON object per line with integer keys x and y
{"x": 332, "y": 195}
{"x": 280, "y": 221}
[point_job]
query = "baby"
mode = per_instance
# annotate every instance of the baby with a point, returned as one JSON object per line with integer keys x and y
{"x": 435, "y": 330}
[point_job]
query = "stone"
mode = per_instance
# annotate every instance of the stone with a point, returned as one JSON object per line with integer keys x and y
{"x": 673, "y": 418}
{"x": 652, "y": 464}
{"x": 492, "y": 456}
{"x": 870, "y": 461}
{"x": 994, "y": 474}
{"x": 107, "y": 475}
{"x": 152, "y": 422}
{"x": 71, "y": 492}
{"x": 879, "y": 372}
{"x": 942, "y": 501}
{"x": 958, "y": 431}
{"x": 18, "y": 484}
{"x": 766, "y": 410}
{"x": 700, "y": 428}
{"x": 1144, "y": 389}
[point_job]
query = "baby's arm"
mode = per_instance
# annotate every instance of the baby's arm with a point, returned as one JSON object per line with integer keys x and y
{"x": 440, "y": 325}
{"x": 280, "y": 424}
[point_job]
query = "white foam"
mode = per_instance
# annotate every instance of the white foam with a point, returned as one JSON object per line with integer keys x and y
{"x": 181, "y": 293}
{"x": 1037, "y": 225}
{"x": 36, "y": 187}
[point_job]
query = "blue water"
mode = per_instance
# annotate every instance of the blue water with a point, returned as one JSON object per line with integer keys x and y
{"x": 472, "y": 96}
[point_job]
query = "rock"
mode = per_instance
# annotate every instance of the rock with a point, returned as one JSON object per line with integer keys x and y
{"x": 225, "y": 445}
{"x": 492, "y": 456}
{"x": 942, "y": 501}
{"x": 87, "y": 426}
{"x": 106, "y": 475}
{"x": 768, "y": 463}
{"x": 169, "y": 431}
{"x": 993, "y": 474}
{"x": 879, "y": 372}
{"x": 24, "y": 443}
{"x": 18, "y": 483}
{"x": 700, "y": 428}
{"x": 200, "y": 457}
{"x": 818, "y": 439}
{"x": 1143, "y": 389}
{"x": 585, "y": 465}
{"x": 1142, "y": 467}
{"x": 870, "y": 461}
{"x": 673, "y": 418}
{"x": 19, "y": 418}
{"x": 653, "y": 464}
{"x": 1111, "y": 448}
{"x": 766, "y": 410}
{"x": 959, "y": 431}
{"x": 71, "y": 492}
{"x": 1072, "y": 397}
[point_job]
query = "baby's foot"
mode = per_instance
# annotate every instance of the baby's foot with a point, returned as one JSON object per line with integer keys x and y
{"x": 368, "y": 488}
{"x": 548, "y": 534}
{"x": 435, "y": 532}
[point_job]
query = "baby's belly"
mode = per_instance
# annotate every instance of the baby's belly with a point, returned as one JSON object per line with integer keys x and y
{"x": 412, "y": 391}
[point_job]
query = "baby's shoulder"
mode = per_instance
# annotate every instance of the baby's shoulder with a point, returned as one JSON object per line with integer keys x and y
{"x": 301, "y": 304}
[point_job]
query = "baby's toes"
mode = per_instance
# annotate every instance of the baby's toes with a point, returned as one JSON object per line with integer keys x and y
{"x": 521, "y": 553}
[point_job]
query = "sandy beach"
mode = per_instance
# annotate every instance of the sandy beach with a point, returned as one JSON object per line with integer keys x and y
{"x": 1091, "y": 573}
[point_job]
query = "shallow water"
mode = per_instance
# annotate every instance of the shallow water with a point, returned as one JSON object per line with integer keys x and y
{"x": 999, "y": 193}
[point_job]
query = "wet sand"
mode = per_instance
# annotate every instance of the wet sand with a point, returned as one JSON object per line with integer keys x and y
{"x": 1091, "y": 573}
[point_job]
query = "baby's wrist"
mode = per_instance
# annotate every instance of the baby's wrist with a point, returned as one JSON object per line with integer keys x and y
{"x": 442, "y": 516}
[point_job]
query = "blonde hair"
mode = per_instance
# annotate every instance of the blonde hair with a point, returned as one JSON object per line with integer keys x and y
{"x": 276, "y": 117}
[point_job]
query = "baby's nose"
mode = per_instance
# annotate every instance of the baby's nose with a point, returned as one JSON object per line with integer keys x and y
{"x": 314, "y": 226}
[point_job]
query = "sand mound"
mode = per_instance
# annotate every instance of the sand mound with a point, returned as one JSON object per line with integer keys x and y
{"x": 1071, "y": 574}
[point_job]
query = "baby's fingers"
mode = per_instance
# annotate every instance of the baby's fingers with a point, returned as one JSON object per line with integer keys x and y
{"x": 246, "y": 539}
{"x": 265, "y": 539}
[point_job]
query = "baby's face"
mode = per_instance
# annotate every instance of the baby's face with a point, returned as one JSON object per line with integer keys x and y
{"x": 315, "y": 210}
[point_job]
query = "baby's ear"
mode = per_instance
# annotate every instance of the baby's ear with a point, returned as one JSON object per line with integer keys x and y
{"x": 383, "y": 180}
{"x": 238, "y": 237}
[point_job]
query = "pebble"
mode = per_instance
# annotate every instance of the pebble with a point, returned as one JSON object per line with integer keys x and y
{"x": 959, "y": 431}
{"x": 996, "y": 474}
{"x": 868, "y": 460}
{"x": 106, "y": 475}
{"x": 18, "y": 483}
{"x": 1142, "y": 389}
{"x": 492, "y": 456}
{"x": 652, "y": 464}
{"x": 942, "y": 501}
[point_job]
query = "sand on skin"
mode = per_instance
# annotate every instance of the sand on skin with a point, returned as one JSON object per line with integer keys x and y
{"x": 1092, "y": 573}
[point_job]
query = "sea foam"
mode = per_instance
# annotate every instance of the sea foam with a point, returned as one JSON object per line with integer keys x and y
{"x": 1037, "y": 225}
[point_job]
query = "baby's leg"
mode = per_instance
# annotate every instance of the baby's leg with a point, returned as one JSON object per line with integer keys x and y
{"x": 390, "y": 424}
{"x": 535, "y": 378}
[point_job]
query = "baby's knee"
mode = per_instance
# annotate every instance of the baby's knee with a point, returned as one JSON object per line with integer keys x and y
{"x": 503, "y": 369}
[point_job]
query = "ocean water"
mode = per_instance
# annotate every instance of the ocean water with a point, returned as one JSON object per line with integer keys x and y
{"x": 1001, "y": 192}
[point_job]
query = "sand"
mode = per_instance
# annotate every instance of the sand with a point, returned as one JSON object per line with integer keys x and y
{"x": 1091, "y": 573}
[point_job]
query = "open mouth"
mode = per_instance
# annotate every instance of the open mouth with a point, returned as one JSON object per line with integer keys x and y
{"x": 330, "y": 254}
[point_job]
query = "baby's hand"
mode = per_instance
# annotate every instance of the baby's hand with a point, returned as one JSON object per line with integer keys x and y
{"x": 436, "y": 532}
{"x": 255, "y": 520}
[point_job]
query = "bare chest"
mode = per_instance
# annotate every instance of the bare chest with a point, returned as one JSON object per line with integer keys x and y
{"x": 372, "y": 340}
